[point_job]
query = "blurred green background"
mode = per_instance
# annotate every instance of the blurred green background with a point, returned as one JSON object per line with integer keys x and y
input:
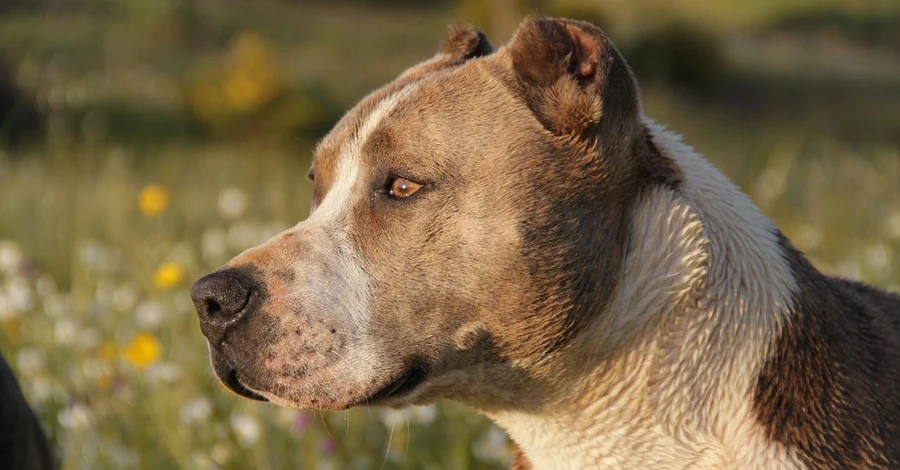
{"x": 145, "y": 142}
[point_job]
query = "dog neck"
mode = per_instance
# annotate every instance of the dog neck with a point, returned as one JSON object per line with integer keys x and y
{"x": 664, "y": 377}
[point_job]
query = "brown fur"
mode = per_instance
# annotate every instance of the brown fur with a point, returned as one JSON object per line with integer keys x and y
{"x": 830, "y": 389}
{"x": 532, "y": 161}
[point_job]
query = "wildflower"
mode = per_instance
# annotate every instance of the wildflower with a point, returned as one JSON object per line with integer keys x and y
{"x": 214, "y": 244}
{"x": 30, "y": 361}
{"x": 124, "y": 297}
{"x": 96, "y": 257}
{"x": 246, "y": 427}
{"x": 143, "y": 350}
{"x": 149, "y": 314}
{"x": 302, "y": 421}
{"x": 201, "y": 461}
{"x": 65, "y": 331}
{"x": 168, "y": 275}
{"x": 153, "y": 200}
{"x": 41, "y": 390}
{"x": 328, "y": 445}
{"x": 76, "y": 416}
{"x": 232, "y": 203}
{"x": 7, "y": 312}
{"x": 10, "y": 257}
{"x": 220, "y": 453}
{"x": 391, "y": 417}
{"x": 423, "y": 414}
{"x": 492, "y": 446}
{"x": 879, "y": 257}
{"x": 195, "y": 411}
{"x": 19, "y": 294}
{"x": 164, "y": 372}
{"x": 90, "y": 338}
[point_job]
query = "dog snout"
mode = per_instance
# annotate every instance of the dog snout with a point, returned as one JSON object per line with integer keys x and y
{"x": 222, "y": 298}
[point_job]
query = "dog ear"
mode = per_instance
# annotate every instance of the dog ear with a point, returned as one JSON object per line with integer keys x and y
{"x": 464, "y": 42}
{"x": 575, "y": 81}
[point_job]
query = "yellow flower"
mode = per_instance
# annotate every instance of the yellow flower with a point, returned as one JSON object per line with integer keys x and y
{"x": 153, "y": 200}
{"x": 144, "y": 349}
{"x": 168, "y": 275}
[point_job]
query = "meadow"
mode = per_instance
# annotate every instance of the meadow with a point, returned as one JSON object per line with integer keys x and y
{"x": 177, "y": 133}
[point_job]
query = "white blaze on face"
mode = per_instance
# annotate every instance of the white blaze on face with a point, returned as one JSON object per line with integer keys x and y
{"x": 337, "y": 202}
{"x": 337, "y": 284}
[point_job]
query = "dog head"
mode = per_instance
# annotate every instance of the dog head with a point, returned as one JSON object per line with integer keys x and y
{"x": 469, "y": 220}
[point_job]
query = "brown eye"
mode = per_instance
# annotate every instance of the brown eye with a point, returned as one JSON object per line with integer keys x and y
{"x": 402, "y": 187}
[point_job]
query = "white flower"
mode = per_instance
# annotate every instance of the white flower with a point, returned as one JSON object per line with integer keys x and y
{"x": 90, "y": 338}
{"x": 77, "y": 416}
{"x": 65, "y": 331}
{"x": 45, "y": 286}
{"x": 214, "y": 245}
{"x": 246, "y": 427}
{"x": 423, "y": 414}
{"x": 30, "y": 361}
{"x": 41, "y": 390}
{"x": 96, "y": 257}
{"x": 879, "y": 257}
{"x": 19, "y": 295}
{"x": 201, "y": 461}
{"x": 195, "y": 411}
{"x": 149, "y": 314}
{"x": 94, "y": 369}
{"x": 6, "y": 307}
{"x": 163, "y": 372}
{"x": 492, "y": 446}
{"x": 232, "y": 203}
{"x": 56, "y": 305}
{"x": 124, "y": 297}
{"x": 220, "y": 453}
{"x": 391, "y": 417}
{"x": 10, "y": 257}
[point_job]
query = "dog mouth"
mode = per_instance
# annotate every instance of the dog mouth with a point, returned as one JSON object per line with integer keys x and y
{"x": 230, "y": 378}
{"x": 232, "y": 381}
{"x": 401, "y": 386}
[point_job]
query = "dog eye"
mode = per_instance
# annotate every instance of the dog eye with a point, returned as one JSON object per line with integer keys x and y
{"x": 402, "y": 187}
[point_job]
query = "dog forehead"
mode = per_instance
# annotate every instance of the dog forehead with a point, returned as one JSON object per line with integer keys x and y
{"x": 437, "y": 108}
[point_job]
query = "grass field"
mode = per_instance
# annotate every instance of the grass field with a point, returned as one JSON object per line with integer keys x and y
{"x": 175, "y": 140}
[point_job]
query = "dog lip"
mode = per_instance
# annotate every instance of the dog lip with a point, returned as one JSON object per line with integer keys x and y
{"x": 403, "y": 385}
{"x": 232, "y": 381}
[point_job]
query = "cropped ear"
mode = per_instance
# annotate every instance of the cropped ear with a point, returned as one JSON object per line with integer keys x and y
{"x": 464, "y": 42}
{"x": 575, "y": 81}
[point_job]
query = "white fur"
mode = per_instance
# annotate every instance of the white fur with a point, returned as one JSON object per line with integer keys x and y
{"x": 673, "y": 362}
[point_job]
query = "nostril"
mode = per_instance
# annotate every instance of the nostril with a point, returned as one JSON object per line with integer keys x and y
{"x": 213, "y": 309}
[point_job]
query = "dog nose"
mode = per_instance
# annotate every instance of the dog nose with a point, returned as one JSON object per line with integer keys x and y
{"x": 221, "y": 299}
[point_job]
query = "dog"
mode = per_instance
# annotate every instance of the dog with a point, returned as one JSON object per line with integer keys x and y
{"x": 505, "y": 228}
{"x": 23, "y": 444}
